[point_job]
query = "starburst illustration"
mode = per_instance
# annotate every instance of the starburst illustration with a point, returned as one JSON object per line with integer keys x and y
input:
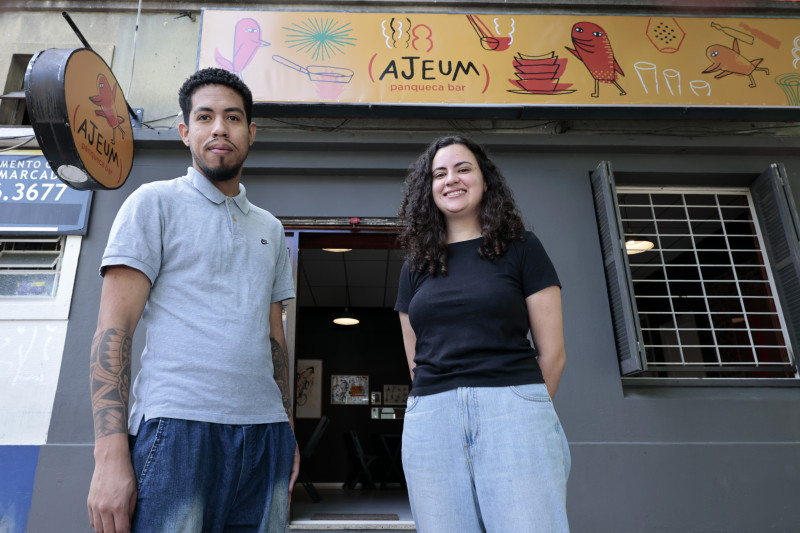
{"x": 322, "y": 38}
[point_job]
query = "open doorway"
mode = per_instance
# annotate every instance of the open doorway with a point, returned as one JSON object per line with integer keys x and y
{"x": 352, "y": 378}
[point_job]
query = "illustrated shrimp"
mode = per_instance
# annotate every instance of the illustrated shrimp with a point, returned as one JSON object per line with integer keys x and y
{"x": 593, "y": 48}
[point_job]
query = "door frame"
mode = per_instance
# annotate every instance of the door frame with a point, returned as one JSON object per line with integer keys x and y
{"x": 293, "y": 228}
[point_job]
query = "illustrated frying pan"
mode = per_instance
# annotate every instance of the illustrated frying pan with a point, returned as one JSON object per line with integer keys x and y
{"x": 318, "y": 72}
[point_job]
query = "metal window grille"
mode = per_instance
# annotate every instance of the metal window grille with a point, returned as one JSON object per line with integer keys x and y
{"x": 704, "y": 294}
{"x": 30, "y": 266}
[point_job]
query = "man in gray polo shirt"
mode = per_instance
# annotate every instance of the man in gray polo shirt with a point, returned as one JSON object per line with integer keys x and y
{"x": 206, "y": 444}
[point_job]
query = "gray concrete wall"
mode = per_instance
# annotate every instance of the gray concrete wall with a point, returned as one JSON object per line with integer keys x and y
{"x": 664, "y": 459}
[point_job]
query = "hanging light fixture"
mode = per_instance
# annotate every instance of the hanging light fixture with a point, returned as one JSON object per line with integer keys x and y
{"x": 346, "y": 318}
{"x": 637, "y": 245}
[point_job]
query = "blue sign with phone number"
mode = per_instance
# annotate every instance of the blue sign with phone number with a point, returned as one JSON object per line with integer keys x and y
{"x": 33, "y": 200}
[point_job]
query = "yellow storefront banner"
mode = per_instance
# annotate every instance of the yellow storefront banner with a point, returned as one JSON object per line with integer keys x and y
{"x": 502, "y": 60}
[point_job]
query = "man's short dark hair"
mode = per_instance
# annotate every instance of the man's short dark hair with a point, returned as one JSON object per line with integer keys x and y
{"x": 214, "y": 76}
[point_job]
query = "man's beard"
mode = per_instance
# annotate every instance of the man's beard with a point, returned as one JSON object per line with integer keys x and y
{"x": 221, "y": 173}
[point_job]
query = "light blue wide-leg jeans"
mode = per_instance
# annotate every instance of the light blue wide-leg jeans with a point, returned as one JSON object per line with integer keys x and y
{"x": 486, "y": 459}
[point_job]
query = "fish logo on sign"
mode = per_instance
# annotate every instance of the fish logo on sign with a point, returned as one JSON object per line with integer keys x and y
{"x": 105, "y": 99}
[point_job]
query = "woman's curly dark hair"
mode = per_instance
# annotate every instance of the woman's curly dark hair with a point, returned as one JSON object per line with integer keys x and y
{"x": 424, "y": 235}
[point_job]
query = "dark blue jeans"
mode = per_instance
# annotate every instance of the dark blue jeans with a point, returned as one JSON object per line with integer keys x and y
{"x": 202, "y": 477}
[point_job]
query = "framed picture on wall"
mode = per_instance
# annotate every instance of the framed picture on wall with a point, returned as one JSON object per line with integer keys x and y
{"x": 375, "y": 398}
{"x": 308, "y": 389}
{"x": 349, "y": 390}
{"x": 395, "y": 394}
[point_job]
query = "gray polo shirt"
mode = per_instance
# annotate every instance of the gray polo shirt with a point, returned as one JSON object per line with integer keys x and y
{"x": 215, "y": 264}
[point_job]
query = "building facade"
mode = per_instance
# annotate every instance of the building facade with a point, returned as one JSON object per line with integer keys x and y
{"x": 680, "y": 396}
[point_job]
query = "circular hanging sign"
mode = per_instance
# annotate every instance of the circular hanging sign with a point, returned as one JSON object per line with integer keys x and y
{"x": 80, "y": 118}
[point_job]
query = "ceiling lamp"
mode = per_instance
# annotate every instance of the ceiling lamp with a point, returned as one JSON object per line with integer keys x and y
{"x": 346, "y": 318}
{"x": 338, "y": 250}
{"x": 637, "y": 245}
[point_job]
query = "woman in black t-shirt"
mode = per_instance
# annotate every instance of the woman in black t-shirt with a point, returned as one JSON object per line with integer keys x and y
{"x": 483, "y": 449}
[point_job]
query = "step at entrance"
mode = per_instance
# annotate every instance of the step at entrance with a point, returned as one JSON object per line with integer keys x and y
{"x": 333, "y": 526}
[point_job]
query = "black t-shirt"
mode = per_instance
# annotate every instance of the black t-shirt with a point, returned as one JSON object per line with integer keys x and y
{"x": 472, "y": 324}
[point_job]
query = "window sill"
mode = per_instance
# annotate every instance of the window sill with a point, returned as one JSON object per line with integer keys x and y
{"x": 634, "y": 382}
{"x": 710, "y": 389}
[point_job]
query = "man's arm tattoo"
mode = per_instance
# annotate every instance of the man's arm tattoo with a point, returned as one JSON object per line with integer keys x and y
{"x": 110, "y": 378}
{"x": 280, "y": 365}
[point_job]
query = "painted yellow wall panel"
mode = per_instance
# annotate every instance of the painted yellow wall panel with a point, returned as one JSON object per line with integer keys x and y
{"x": 571, "y": 60}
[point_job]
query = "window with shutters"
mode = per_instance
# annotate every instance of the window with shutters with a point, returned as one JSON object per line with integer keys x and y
{"x": 37, "y": 274}
{"x": 702, "y": 282}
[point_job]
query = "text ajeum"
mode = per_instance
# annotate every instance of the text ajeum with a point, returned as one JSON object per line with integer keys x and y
{"x": 98, "y": 141}
{"x": 427, "y": 69}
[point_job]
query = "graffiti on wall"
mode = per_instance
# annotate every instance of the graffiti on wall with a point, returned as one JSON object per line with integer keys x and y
{"x": 30, "y": 362}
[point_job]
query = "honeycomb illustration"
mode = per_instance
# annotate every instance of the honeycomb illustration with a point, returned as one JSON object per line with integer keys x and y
{"x": 665, "y": 34}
